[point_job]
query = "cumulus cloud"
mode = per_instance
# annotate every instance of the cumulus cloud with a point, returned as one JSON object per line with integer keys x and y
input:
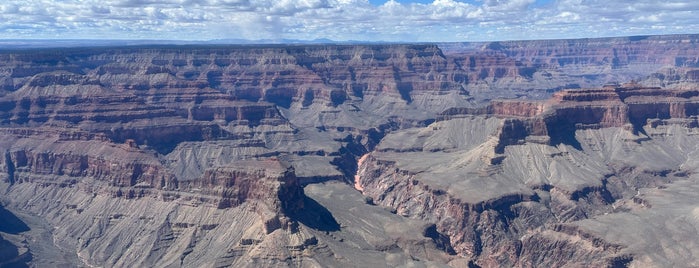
{"x": 440, "y": 20}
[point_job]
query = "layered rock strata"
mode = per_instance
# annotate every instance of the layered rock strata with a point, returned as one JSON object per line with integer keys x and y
{"x": 516, "y": 183}
{"x": 530, "y": 68}
{"x": 155, "y": 155}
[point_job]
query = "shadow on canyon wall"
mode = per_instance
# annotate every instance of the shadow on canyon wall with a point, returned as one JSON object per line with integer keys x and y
{"x": 11, "y": 224}
{"x": 316, "y": 216}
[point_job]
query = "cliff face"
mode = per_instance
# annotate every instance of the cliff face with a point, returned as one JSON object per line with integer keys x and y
{"x": 43, "y": 156}
{"x": 202, "y": 142}
{"x": 281, "y": 75}
{"x": 536, "y": 68}
{"x": 630, "y": 106}
{"x": 154, "y": 155}
{"x": 523, "y": 185}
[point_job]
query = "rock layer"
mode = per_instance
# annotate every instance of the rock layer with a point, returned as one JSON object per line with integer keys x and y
{"x": 517, "y": 189}
{"x": 155, "y": 155}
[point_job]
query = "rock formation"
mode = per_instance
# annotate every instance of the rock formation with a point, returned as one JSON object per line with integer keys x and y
{"x": 169, "y": 148}
{"x": 222, "y": 155}
{"x": 535, "y": 68}
{"x": 524, "y": 180}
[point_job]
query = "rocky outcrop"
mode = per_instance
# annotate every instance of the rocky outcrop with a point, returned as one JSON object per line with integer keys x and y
{"x": 245, "y": 180}
{"x": 629, "y": 105}
{"x": 516, "y": 190}
{"x": 123, "y": 170}
{"x": 107, "y": 196}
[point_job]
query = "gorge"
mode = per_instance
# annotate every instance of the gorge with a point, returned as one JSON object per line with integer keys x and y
{"x": 520, "y": 153}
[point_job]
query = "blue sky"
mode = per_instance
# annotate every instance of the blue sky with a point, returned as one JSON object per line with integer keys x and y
{"x": 381, "y": 2}
{"x": 364, "y": 20}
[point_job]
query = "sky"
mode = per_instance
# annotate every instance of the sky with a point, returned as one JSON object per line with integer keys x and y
{"x": 344, "y": 20}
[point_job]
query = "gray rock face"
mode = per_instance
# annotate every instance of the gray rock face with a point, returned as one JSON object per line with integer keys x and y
{"x": 245, "y": 156}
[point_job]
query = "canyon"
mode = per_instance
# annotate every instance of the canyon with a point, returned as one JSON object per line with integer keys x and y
{"x": 519, "y": 153}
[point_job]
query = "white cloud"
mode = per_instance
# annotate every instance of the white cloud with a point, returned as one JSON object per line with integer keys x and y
{"x": 508, "y": 5}
{"x": 441, "y": 20}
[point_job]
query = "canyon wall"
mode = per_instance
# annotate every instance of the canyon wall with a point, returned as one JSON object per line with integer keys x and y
{"x": 537, "y": 67}
{"x": 155, "y": 155}
{"x": 140, "y": 156}
{"x": 518, "y": 189}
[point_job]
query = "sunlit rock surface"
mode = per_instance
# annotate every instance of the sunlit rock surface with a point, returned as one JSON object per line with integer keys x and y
{"x": 510, "y": 191}
{"x": 485, "y": 154}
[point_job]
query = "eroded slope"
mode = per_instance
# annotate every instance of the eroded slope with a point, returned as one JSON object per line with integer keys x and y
{"x": 197, "y": 155}
{"x": 519, "y": 187}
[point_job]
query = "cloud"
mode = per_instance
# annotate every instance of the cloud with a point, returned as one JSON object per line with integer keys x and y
{"x": 508, "y": 5}
{"x": 440, "y": 20}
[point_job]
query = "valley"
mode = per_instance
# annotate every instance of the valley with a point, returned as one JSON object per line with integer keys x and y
{"x": 384, "y": 155}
